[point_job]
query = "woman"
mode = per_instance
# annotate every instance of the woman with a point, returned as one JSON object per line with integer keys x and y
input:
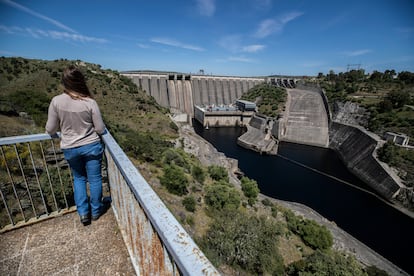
{"x": 77, "y": 116}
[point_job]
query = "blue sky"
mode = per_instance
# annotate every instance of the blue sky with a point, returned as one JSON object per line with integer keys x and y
{"x": 222, "y": 37}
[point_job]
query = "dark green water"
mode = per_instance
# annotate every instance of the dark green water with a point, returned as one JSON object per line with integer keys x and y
{"x": 370, "y": 220}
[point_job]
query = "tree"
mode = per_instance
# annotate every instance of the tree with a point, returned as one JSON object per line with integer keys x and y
{"x": 398, "y": 98}
{"x": 189, "y": 203}
{"x": 406, "y": 77}
{"x": 250, "y": 189}
{"x": 198, "y": 174}
{"x": 218, "y": 173}
{"x": 248, "y": 242}
{"x": 221, "y": 196}
{"x": 320, "y": 263}
{"x": 376, "y": 76}
{"x": 174, "y": 180}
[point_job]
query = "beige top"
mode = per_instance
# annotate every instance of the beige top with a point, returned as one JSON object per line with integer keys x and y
{"x": 79, "y": 120}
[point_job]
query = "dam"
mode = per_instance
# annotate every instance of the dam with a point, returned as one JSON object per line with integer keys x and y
{"x": 306, "y": 120}
{"x": 182, "y": 92}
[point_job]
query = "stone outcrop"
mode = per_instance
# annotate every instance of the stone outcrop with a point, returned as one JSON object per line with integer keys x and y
{"x": 350, "y": 113}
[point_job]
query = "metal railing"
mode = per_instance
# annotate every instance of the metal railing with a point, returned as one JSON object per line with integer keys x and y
{"x": 35, "y": 183}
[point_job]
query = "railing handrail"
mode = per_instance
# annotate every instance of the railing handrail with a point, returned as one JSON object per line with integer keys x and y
{"x": 187, "y": 255}
{"x": 25, "y": 138}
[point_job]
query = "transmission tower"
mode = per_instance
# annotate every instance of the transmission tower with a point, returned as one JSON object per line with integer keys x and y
{"x": 356, "y": 65}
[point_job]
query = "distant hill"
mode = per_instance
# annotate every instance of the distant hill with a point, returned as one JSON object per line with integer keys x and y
{"x": 27, "y": 86}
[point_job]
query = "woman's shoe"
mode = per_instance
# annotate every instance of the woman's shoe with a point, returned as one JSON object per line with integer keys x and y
{"x": 85, "y": 220}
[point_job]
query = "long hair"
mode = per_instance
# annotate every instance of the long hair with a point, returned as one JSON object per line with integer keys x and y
{"x": 74, "y": 83}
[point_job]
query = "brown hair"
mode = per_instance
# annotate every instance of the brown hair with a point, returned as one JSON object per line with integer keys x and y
{"x": 74, "y": 83}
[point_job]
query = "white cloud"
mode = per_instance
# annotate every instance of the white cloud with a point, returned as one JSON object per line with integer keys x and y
{"x": 174, "y": 43}
{"x": 74, "y": 37}
{"x": 263, "y": 4}
{"x": 357, "y": 52}
{"x": 143, "y": 46}
{"x": 39, "y": 34}
{"x": 240, "y": 59}
{"x": 10, "y": 30}
{"x": 206, "y": 7}
{"x": 270, "y": 26}
{"x": 231, "y": 42}
{"x": 405, "y": 30}
{"x": 38, "y": 15}
{"x": 253, "y": 48}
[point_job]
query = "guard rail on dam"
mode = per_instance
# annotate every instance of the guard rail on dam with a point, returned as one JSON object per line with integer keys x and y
{"x": 36, "y": 184}
{"x": 181, "y": 92}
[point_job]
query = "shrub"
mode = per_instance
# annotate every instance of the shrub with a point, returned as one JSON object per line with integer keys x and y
{"x": 174, "y": 180}
{"x": 244, "y": 241}
{"x": 198, "y": 174}
{"x": 314, "y": 235}
{"x": 250, "y": 189}
{"x": 332, "y": 263}
{"x": 173, "y": 156}
{"x": 173, "y": 126}
{"x": 222, "y": 196}
{"x": 218, "y": 173}
{"x": 189, "y": 203}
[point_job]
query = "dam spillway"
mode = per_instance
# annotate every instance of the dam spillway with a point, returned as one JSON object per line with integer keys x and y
{"x": 181, "y": 92}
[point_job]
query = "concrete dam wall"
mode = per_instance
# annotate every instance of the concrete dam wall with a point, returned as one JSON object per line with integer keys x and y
{"x": 181, "y": 92}
{"x": 305, "y": 120}
{"x": 356, "y": 148}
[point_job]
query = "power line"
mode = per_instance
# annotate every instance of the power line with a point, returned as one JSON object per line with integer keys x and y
{"x": 358, "y": 65}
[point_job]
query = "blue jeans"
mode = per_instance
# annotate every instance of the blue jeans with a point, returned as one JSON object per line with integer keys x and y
{"x": 85, "y": 163}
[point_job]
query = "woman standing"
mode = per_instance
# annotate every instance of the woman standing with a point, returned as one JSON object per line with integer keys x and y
{"x": 77, "y": 116}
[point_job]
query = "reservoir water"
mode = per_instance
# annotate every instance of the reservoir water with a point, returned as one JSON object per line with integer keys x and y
{"x": 364, "y": 216}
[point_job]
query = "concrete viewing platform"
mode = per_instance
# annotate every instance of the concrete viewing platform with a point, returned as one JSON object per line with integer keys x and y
{"x": 63, "y": 246}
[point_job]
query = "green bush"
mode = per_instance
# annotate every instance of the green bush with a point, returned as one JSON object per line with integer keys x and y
{"x": 174, "y": 180}
{"x": 189, "y": 203}
{"x": 267, "y": 202}
{"x": 174, "y": 156}
{"x": 218, "y": 173}
{"x": 244, "y": 241}
{"x": 145, "y": 146}
{"x": 198, "y": 174}
{"x": 314, "y": 235}
{"x": 326, "y": 263}
{"x": 220, "y": 196}
{"x": 250, "y": 189}
{"x": 375, "y": 271}
{"x": 35, "y": 104}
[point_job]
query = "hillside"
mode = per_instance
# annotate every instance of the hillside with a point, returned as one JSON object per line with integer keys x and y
{"x": 381, "y": 102}
{"x": 263, "y": 237}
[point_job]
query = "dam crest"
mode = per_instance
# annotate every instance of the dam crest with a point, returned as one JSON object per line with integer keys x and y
{"x": 182, "y": 92}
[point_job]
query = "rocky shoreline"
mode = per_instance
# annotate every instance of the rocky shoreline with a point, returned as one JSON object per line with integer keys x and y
{"x": 208, "y": 155}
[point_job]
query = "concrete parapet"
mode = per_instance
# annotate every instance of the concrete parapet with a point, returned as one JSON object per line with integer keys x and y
{"x": 356, "y": 147}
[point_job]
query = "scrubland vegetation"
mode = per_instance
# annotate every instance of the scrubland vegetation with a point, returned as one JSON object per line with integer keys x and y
{"x": 239, "y": 233}
{"x": 388, "y": 98}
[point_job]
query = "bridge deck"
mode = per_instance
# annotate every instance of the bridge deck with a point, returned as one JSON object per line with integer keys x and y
{"x": 62, "y": 245}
